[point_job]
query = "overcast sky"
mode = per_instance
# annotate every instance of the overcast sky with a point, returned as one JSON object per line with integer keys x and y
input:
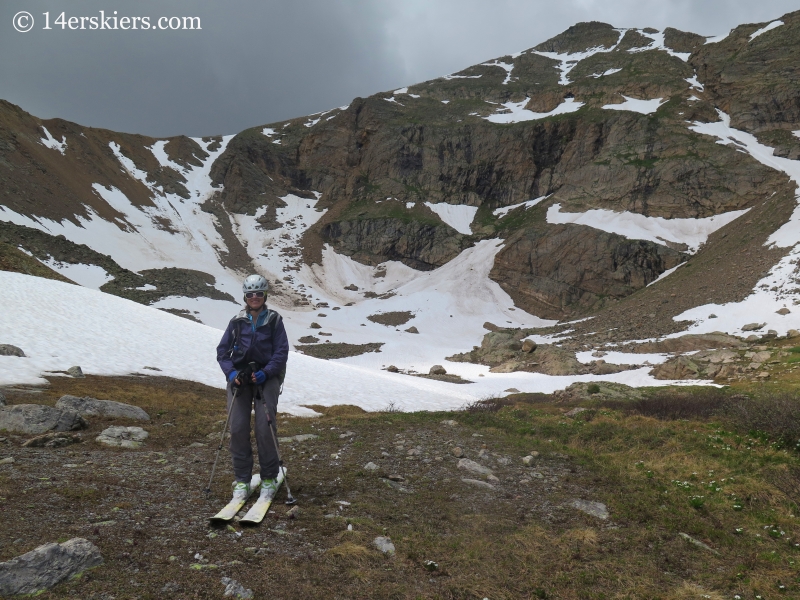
{"x": 258, "y": 61}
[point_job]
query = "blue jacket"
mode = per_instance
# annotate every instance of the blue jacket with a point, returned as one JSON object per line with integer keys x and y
{"x": 244, "y": 342}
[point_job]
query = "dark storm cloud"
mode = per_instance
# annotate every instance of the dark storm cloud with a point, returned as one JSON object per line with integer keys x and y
{"x": 255, "y": 62}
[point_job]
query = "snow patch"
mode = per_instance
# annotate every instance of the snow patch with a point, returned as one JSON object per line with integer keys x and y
{"x": 665, "y": 274}
{"x": 517, "y": 113}
{"x": 692, "y": 232}
{"x": 569, "y": 61}
{"x": 644, "y": 107}
{"x": 53, "y": 143}
{"x": 457, "y": 216}
{"x": 605, "y": 73}
{"x": 694, "y": 84}
{"x": 502, "y": 212}
{"x": 765, "y": 29}
{"x": 506, "y": 66}
{"x": 90, "y": 276}
{"x": 658, "y": 44}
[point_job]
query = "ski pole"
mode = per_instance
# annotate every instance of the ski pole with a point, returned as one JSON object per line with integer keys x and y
{"x": 221, "y": 440}
{"x": 289, "y": 498}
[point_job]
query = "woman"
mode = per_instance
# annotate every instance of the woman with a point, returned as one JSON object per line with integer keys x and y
{"x": 252, "y": 354}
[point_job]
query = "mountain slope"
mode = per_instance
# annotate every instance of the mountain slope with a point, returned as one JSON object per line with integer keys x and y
{"x": 627, "y": 175}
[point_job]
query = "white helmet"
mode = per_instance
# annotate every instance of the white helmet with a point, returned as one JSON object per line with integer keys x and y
{"x": 255, "y": 283}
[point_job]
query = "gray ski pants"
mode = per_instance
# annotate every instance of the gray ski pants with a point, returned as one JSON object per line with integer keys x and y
{"x": 241, "y": 451}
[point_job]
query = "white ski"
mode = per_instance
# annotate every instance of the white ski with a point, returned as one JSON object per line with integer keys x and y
{"x": 234, "y": 506}
{"x": 259, "y": 510}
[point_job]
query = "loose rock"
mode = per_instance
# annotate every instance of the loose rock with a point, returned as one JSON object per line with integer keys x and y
{"x": 125, "y": 437}
{"x": 437, "y": 370}
{"x": 596, "y": 509}
{"x": 793, "y": 333}
{"x": 9, "y": 350}
{"x": 35, "y": 419}
{"x": 528, "y": 346}
{"x": 234, "y": 589}
{"x": 457, "y": 452}
{"x": 89, "y": 407}
{"x": 472, "y": 466}
{"x": 46, "y": 566}
{"x": 412, "y": 329}
{"x": 783, "y": 311}
{"x": 371, "y": 466}
{"x": 753, "y": 326}
{"x": 385, "y": 545}
{"x": 392, "y": 369}
{"x": 76, "y": 372}
{"x": 478, "y": 483}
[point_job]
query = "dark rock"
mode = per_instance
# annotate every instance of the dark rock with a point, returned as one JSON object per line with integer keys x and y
{"x": 753, "y": 326}
{"x": 308, "y": 339}
{"x": 9, "y": 350}
{"x": 528, "y": 346}
{"x": 37, "y": 419}
{"x": 412, "y": 329}
{"x": 89, "y": 407}
{"x": 392, "y": 369}
{"x": 352, "y": 287}
{"x": 315, "y": 326}
{"x": 2, "y": 399}
{"x": 437, "y": 370}
{"x": 490, "y": 326}
{"x": 46, "y": 566}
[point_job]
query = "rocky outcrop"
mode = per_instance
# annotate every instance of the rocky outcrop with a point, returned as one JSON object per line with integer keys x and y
{"x": 570, "y": 267}
{"x": 503, "y": 351}
{"x": 37, "y": 419}
{"x": 47, "y": 566}
{"x": 89, "y": 407}
{"x": 418, "y": 245}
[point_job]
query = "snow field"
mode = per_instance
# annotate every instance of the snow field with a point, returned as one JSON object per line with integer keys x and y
{"x": 692, "y": 232}
{"x": 78, "y": 333}
{"x": 457, "y": 216}
{"x": 502, "y": 212}
{"x": 515, "y": 112}
{"x": 644, "y": 107}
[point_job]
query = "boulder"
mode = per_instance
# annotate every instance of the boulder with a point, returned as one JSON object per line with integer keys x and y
{"x": 490, "y": 326}
{"x": 46, "y": 566}
{"x": 783, "y": 311}
{"x": 76, "y": 372}
{"x": 9, "y": 350}
{"x": 753, "y": 326}
{"x": 36, "y": 419}
{"x": 792, "y": 333}
{"x": 528, "y": 346}
{"x": 437, "y": 370}
{"x": 125, "y": 437}
{"x": 412, "y": 329}
{"x": 471, "y": 465}
{"x": 681, "y": 367}
{"x": 90, "y": 407}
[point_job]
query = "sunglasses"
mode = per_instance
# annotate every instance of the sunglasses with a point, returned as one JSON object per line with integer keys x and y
{"x": 254, "y": 295}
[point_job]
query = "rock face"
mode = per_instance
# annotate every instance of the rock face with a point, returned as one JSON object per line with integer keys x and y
{"x": 373, "y": 241}
{"x": 574, "y": 266}
{"x": 47, "y": 566}
{"x": 9, "y": 350}
{"x": 37, "y": 419}
{"x": 89, "y": 407}
{"x": 125, "y": 437}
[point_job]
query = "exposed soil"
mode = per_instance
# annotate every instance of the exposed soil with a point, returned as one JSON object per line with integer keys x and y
{"x": 338, "y": 349}
{"x": 392, "y": 319}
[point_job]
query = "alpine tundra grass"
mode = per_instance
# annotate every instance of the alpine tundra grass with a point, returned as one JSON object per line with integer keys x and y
{"x": 704, "y": 505}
